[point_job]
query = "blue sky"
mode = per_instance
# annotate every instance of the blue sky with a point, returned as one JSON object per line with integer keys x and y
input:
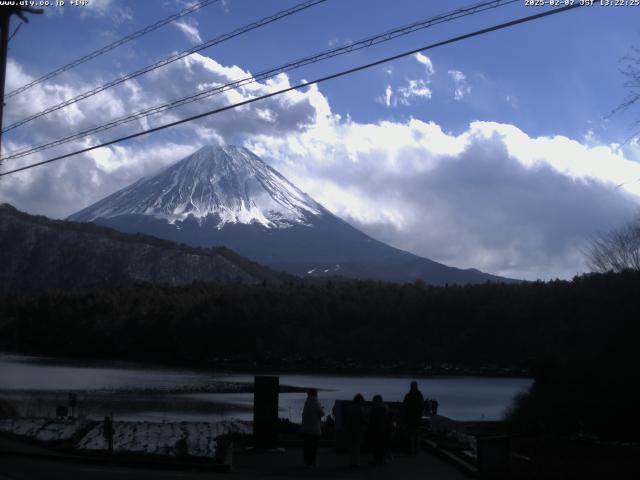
{"x": 561, "y": 74}
{"x": 451, "y": 155}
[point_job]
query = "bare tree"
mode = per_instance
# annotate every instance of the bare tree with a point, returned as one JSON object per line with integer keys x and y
{"x": 616, "y": 250}
{"x": 631, "y": 70}
{"x": 619, "y": 249}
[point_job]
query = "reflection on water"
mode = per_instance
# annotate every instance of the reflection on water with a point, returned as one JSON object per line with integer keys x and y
{"x": 461, "y": 398}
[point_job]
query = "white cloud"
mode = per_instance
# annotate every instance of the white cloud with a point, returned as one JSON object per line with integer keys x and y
{"x": 293, "y": 110}
{"x": 189, "y": 26}
{"x": 386, "y": 98}
{"x": 414, "y": 89}
{"x": 426, "y": 61}
{"x": 99, "y": 7}
{"x": 457, "y": 75}
{"x": 461, "y": 87}
{"x": 107, "y": 8}
{"x": 93, "y": 110}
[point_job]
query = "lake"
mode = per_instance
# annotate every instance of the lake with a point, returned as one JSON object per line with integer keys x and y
{"x": 39, "y": 383}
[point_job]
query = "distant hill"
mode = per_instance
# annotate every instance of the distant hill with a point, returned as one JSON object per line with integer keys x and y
{"x": 228, "y": 196}
{"x": 37, "y": 253}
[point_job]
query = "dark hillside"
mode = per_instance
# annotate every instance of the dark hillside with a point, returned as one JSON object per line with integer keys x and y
{"x": 37, "y": 252}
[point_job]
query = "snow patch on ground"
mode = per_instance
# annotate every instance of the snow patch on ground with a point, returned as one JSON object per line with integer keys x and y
{"x": 44, "y": 429}
{"x": 197, "y": 439}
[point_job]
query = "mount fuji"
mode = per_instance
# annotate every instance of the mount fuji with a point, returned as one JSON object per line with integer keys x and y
{"x": 228, "y": 196}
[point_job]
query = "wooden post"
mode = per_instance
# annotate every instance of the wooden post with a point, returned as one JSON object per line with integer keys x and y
{"x": 265, "y": 411}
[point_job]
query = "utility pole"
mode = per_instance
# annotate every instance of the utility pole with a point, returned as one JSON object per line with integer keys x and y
{"x": 5, "y": 21}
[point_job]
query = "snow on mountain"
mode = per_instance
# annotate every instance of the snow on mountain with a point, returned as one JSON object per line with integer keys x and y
{"x": 229, "y": 183}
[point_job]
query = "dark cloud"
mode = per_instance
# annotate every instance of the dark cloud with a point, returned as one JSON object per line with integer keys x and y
{"x": 485, "y": 209}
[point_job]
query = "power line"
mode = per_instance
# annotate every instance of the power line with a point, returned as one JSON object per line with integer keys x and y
{"x": 166, "y": 61}
{"x": 111, "y": 46}
{"x": 13, "y": 35}
{"x": 305, "y": 84}
{"x": 358, "y": 45}
{"x": 5, "y": 22}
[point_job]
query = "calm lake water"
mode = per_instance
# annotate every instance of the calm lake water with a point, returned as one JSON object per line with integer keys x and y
{"x": 460, "y": 398}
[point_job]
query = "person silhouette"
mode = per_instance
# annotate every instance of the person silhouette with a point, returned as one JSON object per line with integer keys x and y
{"x": 355, "y": 426}
{"x": 379, "y": 430}
{"x": 412, "y": 407}
{"x": 107, "y": 432}
{"x": 311, "y": 426}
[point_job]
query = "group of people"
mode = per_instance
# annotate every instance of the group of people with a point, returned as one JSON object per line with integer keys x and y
{"x": 376, "y": 428}
{"x": 374, "y": 424}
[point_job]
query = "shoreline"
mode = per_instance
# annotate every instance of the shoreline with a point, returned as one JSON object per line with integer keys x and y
{"x": 228, "y": 367}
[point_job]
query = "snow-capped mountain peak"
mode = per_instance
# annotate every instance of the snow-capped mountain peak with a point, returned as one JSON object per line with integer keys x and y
{"x": 228, "y": 183}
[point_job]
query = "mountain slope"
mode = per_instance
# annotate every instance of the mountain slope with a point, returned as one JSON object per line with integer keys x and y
{"x": 36, "y": 253}
{"x": 228, "y": 196}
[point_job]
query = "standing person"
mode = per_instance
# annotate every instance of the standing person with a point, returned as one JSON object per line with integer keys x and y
{"x": 107, "y": 432}
{"x": 412, "y": 407}
{"x": 311, "y": 426}
{"x": 355, "y": 425}
{"x": 379, "y": 430}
